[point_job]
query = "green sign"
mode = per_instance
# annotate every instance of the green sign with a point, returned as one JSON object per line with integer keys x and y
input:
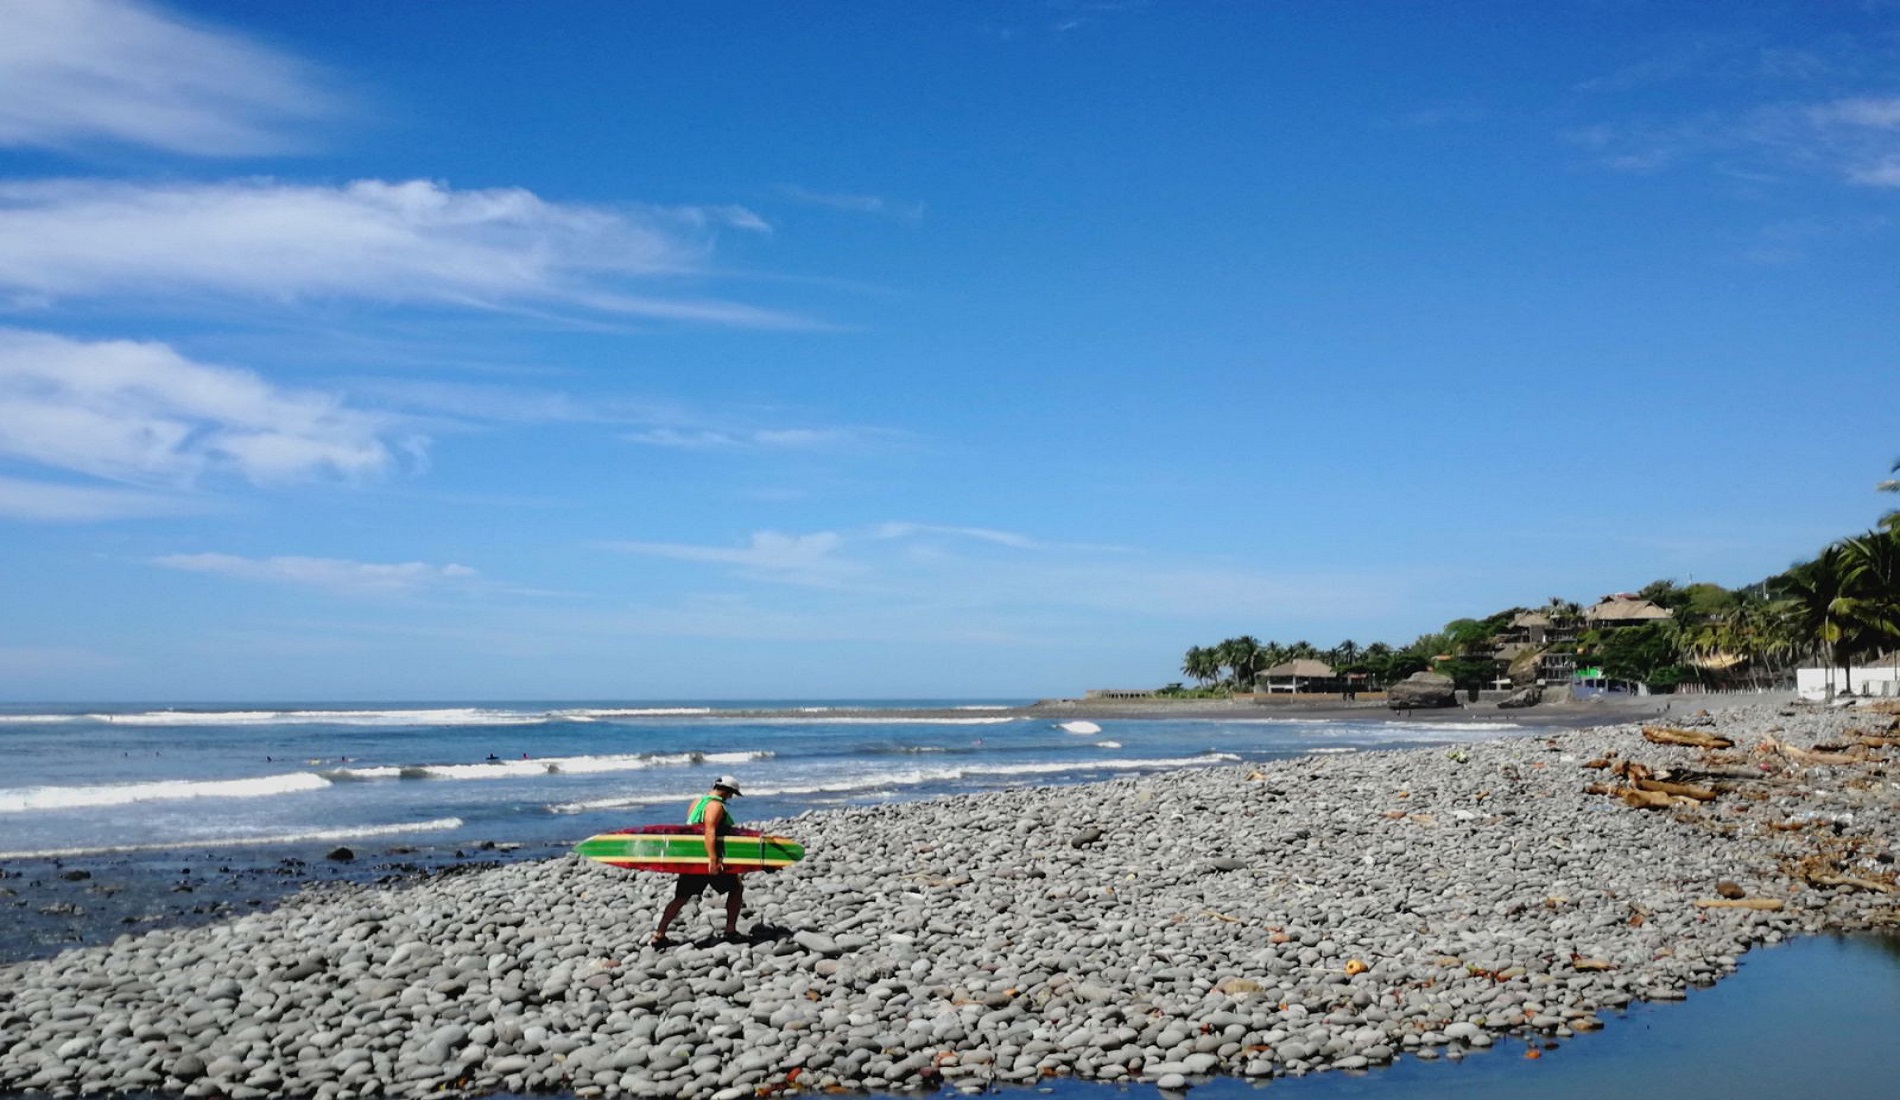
{"x": 1589, "y": 674}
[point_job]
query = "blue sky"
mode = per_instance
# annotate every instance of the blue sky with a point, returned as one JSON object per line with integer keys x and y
{"x": 608, "y": 350}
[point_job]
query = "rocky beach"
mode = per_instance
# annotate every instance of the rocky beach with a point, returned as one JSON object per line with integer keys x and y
{"x": 1258, "y": 920}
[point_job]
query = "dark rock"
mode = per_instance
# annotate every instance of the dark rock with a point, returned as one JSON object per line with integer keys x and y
{"x": 1730, "y": 890}
{"x": 340, "y": 855}
{"x": 1523, "y": 697}
{"x": 75, "y": 876}
{"x": 1421, "y": 690}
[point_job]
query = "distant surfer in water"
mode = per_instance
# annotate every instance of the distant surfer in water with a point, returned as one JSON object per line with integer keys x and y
{"x": 708, "y": 810}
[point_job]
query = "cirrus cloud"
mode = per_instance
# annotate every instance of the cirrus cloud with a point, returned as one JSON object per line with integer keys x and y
{"x": 406, "y": 242}
{"x": 333, "y": 574}
{"x": 79, "y": 71}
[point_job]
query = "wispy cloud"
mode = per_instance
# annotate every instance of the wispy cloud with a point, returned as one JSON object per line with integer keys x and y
{"x": 415, "y": 241}
{"x": 857, "y": 204}
{"x": 141, "y": 414}
{"x": 751, "y": 439}
{"x": 769, "y": 555}
{"x": 74, "y": 72}
{"x": 899, "y": 530}
{"x": 49, "y": 502}
{"x": 943, "y": 581}
{"x": 330, "y": 574}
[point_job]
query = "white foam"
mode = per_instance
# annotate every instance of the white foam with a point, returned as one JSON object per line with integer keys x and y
{"x": 588, "y": 714}
{"x": 27, "y": 799}
{"x": 1108, "y": 744}
{"x": 1078, "y": 727}
{"x": 314, "y": 835}
{"x": 444, "y": 716}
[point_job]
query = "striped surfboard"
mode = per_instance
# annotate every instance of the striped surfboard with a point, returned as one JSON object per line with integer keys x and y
{"x": 681, "y": 850}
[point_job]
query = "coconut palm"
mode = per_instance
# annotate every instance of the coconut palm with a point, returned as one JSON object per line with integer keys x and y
{"x": 1242, "y": 656}
{"x": 1201, "y": 664}
{"x": 1873, "y": 564}
{"x": 1821, "y": 607}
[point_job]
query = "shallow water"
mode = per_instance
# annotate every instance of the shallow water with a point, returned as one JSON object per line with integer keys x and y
{"x": 1813, "y": 1017}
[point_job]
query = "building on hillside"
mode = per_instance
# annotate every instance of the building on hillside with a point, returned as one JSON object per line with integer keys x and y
{"x": 1624, "y": 609}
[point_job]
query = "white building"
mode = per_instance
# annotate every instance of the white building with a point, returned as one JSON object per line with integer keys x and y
{"x": 1818, "y": 683}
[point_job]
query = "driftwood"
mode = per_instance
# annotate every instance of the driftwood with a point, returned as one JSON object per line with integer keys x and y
{"x": 1873, "y": 741}
{"x": 1679, "y": 790}
{"x": 1795, "y": 754}
{"x": 1738, "y": 903}
{"x": 1650, "y": 800}
{"x": 1663, "y": 735}
{"x": 1831, "y": 878}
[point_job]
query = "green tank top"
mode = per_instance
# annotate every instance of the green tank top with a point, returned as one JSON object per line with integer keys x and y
{"x": 697, "y": 815}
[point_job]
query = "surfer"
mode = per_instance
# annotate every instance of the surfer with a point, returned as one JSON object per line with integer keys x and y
{"x": 708, "y": 810}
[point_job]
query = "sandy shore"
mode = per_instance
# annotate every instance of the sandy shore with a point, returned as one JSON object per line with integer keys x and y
{"x": 1324, "y": 913}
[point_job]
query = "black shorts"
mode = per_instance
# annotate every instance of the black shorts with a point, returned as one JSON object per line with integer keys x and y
{"x": 691, "y": 886}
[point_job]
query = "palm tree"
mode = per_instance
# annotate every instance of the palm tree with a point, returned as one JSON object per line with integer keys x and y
{"x": 1820, "y": 608}
{"x": 1873, "y": 564}
{"x": 1242, "y": 656}
{"x": 1345, "y": 653}
{"x": 1202, "y": 664}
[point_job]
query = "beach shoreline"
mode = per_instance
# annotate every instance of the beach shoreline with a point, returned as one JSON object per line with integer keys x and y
{"x": 1181, "y": 926}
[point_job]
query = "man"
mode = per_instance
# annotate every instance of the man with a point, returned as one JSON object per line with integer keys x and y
{"x": 709, "y": 811}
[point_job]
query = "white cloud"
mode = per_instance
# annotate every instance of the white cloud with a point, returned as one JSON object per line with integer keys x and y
{"x": 80, "y": 71}
{"x": 981, "y": 534}
{"x": 1854, "y": 138}
{"x": 143, "y": 414}
{"x": 333, "y": 574}
{"x": 47, "y": 502}
{"x": 857, "y": 204}
{"x": 405, "y": 242}
{"x": 717, "y": 439}
{"x": 798, "y": 559}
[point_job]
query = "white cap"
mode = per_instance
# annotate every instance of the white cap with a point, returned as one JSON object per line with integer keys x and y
{"x": 729, "y": 783}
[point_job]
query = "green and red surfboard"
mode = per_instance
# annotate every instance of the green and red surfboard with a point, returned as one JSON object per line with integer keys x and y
{"x": 681, "y": 850}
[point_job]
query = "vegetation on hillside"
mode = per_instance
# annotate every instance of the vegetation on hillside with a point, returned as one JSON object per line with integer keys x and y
{"x": 1841, "y": 608}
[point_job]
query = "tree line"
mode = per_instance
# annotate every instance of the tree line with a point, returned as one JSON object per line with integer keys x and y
{"x": 1840, "y": 609}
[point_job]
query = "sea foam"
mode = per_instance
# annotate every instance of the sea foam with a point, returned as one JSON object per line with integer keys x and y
{"x": 27, "y": 799}
{"x": 361, "y": 832}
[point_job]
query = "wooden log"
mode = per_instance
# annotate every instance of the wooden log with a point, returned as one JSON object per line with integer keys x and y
{"x": 1808, "y": 758}
{"x": 1830, "y": 878}
{"x": 1875, "y": 742}
{"x": 1695, "y": 739}
{"x": 1645, "y": 800}
{"x": 1680, "y": 790}
{"x": 1738, "y": 903}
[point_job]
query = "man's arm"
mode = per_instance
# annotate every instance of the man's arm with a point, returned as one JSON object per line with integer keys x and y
{"x": 715, "y": 858}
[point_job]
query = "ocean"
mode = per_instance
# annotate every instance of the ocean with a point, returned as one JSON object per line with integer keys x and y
{"x": 85, "y": 781}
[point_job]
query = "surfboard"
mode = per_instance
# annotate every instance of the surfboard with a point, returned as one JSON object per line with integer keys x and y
{"x": 681, "y": 850}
